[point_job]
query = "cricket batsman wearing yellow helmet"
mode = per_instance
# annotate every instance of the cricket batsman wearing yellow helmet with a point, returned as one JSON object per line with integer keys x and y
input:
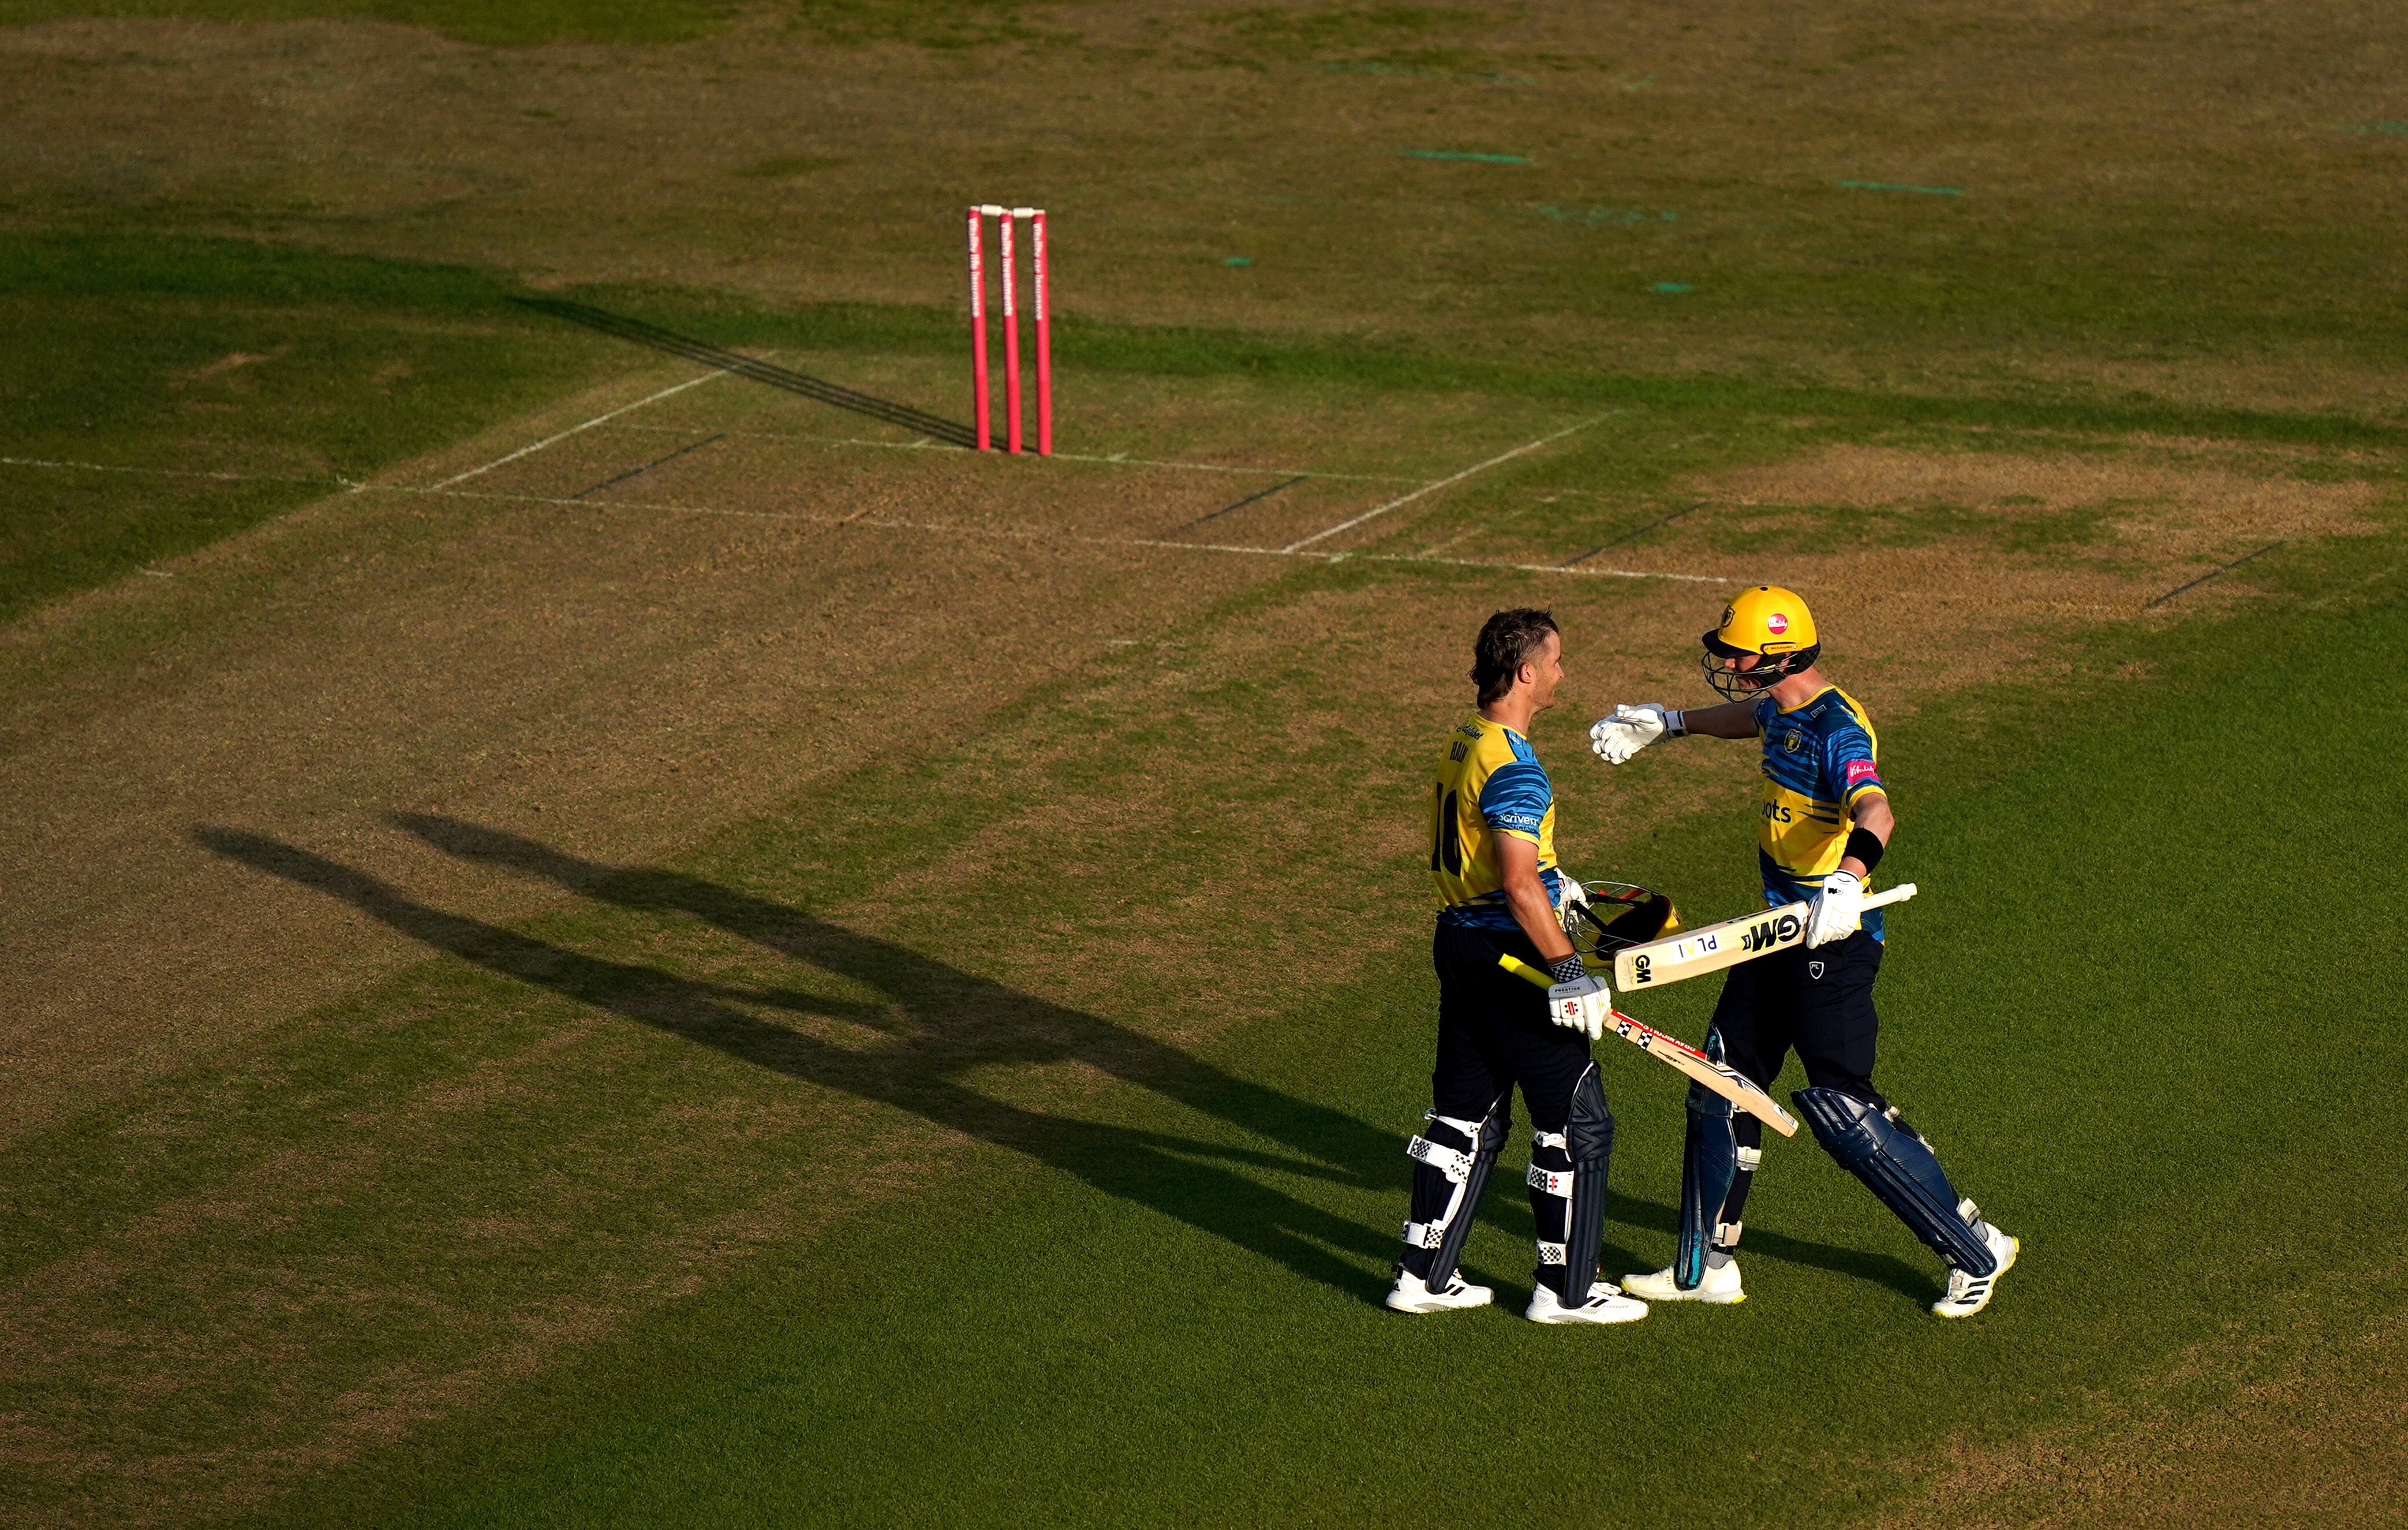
{"x": 1823, "y": 822}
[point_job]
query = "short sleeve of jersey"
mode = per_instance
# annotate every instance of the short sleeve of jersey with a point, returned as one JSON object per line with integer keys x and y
{"x": 1516, "y": 797}
{"x": 1848, "y": 761}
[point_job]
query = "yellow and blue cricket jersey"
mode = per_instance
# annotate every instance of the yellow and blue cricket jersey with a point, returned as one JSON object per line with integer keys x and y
{"x": 1818, "y": 761}
{"x": 1488, "y": 783}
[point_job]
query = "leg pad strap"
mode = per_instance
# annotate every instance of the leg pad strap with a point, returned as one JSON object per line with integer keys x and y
{"x": 1453, "y": 1162}
{"x": 1447, "y": 1185}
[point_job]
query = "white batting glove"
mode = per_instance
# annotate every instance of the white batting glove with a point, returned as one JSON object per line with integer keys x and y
{"x": 1833, "y": 913}
{"x": 1631, "y": 729}
{"x": 1583, "y": 1004}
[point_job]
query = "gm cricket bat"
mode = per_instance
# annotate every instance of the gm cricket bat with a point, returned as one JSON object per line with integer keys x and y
{"x": 1724, "y": 945}
{"x": 1721, "y": 1077}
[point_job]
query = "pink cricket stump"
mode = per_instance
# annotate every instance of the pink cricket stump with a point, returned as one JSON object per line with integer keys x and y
{"x": 978, "y": 335}
{"x": 1044, "y": 340}
{"x": 1010, "y": 331}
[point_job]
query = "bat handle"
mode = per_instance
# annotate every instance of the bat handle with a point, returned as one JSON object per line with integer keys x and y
{"x": 1898, "y": 894}
{"x": 1523, "y": 970}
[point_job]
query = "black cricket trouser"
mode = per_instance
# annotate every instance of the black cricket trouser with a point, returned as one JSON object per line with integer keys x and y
{"x": 1817, "y": 1002}
{"x": 1492, "y": 1031}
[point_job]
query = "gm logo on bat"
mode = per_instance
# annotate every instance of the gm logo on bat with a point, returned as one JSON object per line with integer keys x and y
{"x": 1771, "y": 932}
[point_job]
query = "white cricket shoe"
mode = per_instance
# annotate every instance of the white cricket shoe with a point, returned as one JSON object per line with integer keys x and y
{"x": 1605, "y": 1303}
{"x": 1969, "y": 1293}
{"x": 1412, "y": 1295}
{"x": 1720, "y": 1287}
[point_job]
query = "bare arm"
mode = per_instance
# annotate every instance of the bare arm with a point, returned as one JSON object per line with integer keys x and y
{"x": 1728, "y": 720}
{"x": 1872, "y": 815}
{"x": 1526, "y": 894}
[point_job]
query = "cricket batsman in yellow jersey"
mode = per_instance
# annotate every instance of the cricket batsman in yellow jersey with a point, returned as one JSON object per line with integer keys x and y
{"x": 1823, "y": 821}
{"x": 1492, "y": 818}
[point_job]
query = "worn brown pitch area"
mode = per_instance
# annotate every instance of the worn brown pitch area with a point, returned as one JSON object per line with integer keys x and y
{"x": 1983, "y": 550}
{"x": 633, "y": 680}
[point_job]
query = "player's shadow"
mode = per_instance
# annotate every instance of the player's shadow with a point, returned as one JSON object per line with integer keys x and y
{"x": 940, "y": 1024}
{"x": 818, "y": 389}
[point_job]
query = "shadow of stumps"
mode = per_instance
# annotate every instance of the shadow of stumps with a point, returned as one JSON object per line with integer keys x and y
{"x": 817, "y": 389}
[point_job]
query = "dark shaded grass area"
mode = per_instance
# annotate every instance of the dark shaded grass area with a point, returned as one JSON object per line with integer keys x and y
{"x": 517, "y": 24}
{"x": 2099, "y": 1009}
{"x": 190, "y": 357}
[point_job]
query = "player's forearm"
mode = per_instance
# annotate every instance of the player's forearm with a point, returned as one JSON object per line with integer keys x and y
{"x": 1874, "y": 815}
{"x": 1728, "y": 720}
{"x": 1535, "y": 914}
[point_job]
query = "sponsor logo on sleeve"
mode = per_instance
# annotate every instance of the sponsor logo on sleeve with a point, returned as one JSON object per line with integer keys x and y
{"x": 1860, "y": 770}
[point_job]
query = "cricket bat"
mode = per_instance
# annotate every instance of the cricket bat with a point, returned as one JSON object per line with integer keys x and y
{"x": 1725, "y": 945}
{"x": 1721, "y": 1077}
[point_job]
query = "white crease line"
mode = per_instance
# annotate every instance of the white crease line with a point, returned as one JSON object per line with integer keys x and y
{"x": 927, "y": 444}
{"x": 1434, "y": 487}
{"x": 942, "y": 528}
{"x": 1123, "y": 459}
{"x": 1532, "y": 567}
{"x": 1465, "y": 535}
{"x": 953, "y": 528}
{"x": 177, "y": 472}
{"x": 598, "y": 419}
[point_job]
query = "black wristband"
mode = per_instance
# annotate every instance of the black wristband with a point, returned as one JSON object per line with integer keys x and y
{"x": 1567, "y": 969}
{"x": 1866, "y": 846}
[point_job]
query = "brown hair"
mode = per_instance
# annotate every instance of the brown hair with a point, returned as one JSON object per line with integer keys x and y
{"x": 1505, "y": 645}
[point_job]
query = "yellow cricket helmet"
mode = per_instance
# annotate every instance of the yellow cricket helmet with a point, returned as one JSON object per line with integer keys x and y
{"x": 1770, "y": 622}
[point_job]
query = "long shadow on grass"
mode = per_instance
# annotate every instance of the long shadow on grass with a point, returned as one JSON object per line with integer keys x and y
{"x": 818, "y": 389}
{"x": 950, "y": 1023}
